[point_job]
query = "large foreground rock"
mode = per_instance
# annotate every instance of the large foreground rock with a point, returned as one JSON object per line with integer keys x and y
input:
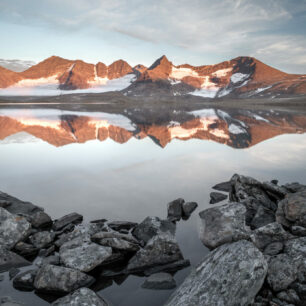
{"x": 10, "y": 260}
{"x": 229, "y": 276}
{"x": 82, "y": 296}
{"x": 12, "y": 228}
{"x": 60, "y": 280}
{"x": 83, "y": 255}
{"x": 223, "y": 224}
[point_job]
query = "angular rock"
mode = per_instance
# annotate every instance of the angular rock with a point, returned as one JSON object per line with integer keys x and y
{"x": 122, "y": 225}
{"x": 73, "y": 218}
{"x": 159, "y": 281}
{"x": 295, "y": 207}
{"x": 42, "y": 239}
{"x": 223, "y": 224}
{"x": 216, "y": 197}
{"x": 282, "y": 272}
{"x": 224, "y": 186}
{"x": 269, "y": 233}
{"x": 10, "y": 260}
{"x": 294, "y": 187}
{"x": 152, "y": 226}
{"x": 41, "y": 220}
{"x": 82, "y": 296}
{"x": 49, "y": 260}
{"x": 262, "y": 217}
{"x": 171, "y": 267}
{"x": 25, "y": 281}
{"x": 12, "y": 228}
{"x": 119, "y": 244}
{"x": 230, "y": 275}
{"x": 188, "y": 209}
{"x": 16, "y": 206}
{"x": 296, "y": 247}
{"x": 160, "y": 250}
{"x": 25, "y": 249}
{"x": 273, "y": 248}
{"x": 56, "y": 279}
{"x": 280, "y": 215}
{"x": 83, "y": 255}
{"x": 298, "y": 230}
{"x": 274, "y": 188}
{"x": 102, "y": 235}
{"x": 175, "y": 209}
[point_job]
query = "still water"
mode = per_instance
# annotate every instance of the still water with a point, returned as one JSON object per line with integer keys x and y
{"x": 128, "y": 165}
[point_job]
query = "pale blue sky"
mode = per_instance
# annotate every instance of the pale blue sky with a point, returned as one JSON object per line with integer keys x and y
{"x": 194, "y": 31}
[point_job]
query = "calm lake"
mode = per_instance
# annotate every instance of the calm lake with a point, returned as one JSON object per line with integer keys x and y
{"x": 128, "y": 164}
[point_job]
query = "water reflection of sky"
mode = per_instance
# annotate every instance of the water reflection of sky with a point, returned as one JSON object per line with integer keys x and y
{"x": 137, "y": 179}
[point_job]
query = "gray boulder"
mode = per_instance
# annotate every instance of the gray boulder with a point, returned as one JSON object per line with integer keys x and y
{"x": 230, "y": 275}
{"x": 223, "y": 224}
{"x": 282, "y": 272}
{"x": 72, "y": 218}
{"x": 216, "y": 197}
{"x": 175, "y": 209}
{"x": 42, "y": 239}
{"x": 82, "y": 296}
{"x": 160, "y": 250}
{"x": 188, "y": 209}
{"x": 296, "y": 247}
{"x": 41, "y": 220}
{"x": 12, "y": 228}
{"x": 159, "y": 281}
{"x": 25, "y": 280}
{"x": 56, "y": 279}
{"x": 121, "y": 225}
{"x": 83, "y": 255}
{"x": 224, "y": 186}
{"x": 10, "y": 260}
{"x": 25, "y": 249}
{"x": 273, "y": 248}
{"x": 263, "y": 216}
{"x": 152, "y": 226}
{"x": 295, "y": 207}
{"x": 269, "y": 233}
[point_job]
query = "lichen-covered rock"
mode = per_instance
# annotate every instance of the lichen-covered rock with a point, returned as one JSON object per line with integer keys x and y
{"x": 83, "y": 255}
{"x": 10, "y": 260}
{"x": 82, "y": 296}
{"x": 42, "y": 239}
{"x": 56, "y": 279}
{"x": 152, "y": 226}
{"x": 296, "y": 247}
{"x": 223, "y": 224}
{"x": 160, "y": 250}
{"x": 269, "y": 233}
{"x": 282, "y": 272}
{"x": 159, "y": 281}
{"x": 230, "y": 275}
{"x": 12, "y": 228}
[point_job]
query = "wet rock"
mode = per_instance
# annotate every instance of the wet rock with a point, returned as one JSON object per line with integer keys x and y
{"x": 295, "y": 207}
{"x": 8, "y": 301}
{"x": 10, "y": 260}
{"x": 216, "y": 197}
{"x": 289, "y": 296}
{"x": 82, "y": 296}
{"x": 83, "y": 255}
{"x": 282, "y": 272}
{"x": 269, "y": 233}
{"x": 224, "y": 186}
{"x": 13, "y": 272}
{"x": 56, "y": 279}
{"x": 262, "y": 217}
{"x": 122, "y": 225}
{"x": 12, "y": 228}
{"x": 175, "y": 209}
{"x": 159, "y": 281}
{"x": 171, "y": 267}
{"x": 152, "y": 226}
{"x": 25, "y": 281}
{"x": 223, "y": 224}
{"x": 160, "y": 250}
{"x": 42, "y": 239}
{"x": 273, "y": 248}
{"x": 72, "y": 218}
{"x": 230, "y": 275}
{"x": 298, "y": 230}
{"x": 41, "y": 220}
{"x": 188, "y": 209}
{"x": 25, "y": 249}
{"x": 17, "y": 206}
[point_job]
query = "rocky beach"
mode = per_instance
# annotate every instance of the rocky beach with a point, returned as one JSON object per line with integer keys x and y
{"x": 257, "y": 242}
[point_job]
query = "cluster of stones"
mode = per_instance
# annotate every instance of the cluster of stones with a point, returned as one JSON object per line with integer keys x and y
{"x": 67, "y": 256}
{"x": 258, "y": 243}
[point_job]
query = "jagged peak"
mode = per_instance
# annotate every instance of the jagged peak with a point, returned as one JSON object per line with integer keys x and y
{"x": 163, "y": 60}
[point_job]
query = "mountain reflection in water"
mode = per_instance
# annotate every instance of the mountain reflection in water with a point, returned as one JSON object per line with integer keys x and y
{"x": 235, "y": 128}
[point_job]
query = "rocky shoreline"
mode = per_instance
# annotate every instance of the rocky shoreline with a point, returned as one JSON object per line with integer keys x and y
{"x": 257, "y": 242}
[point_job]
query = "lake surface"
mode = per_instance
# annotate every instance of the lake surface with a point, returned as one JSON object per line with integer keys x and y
{"x": 129, "y": 164}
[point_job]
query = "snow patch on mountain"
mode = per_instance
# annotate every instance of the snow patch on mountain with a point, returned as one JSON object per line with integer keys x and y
{"x": 179, "y": 73}
{"x": 236, "y": 129}
{"x": 239, "y": 77}
{"x": 222, "y": 72}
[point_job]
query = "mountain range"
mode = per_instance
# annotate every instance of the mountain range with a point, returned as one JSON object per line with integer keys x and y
{"x": 241, "y": 77}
